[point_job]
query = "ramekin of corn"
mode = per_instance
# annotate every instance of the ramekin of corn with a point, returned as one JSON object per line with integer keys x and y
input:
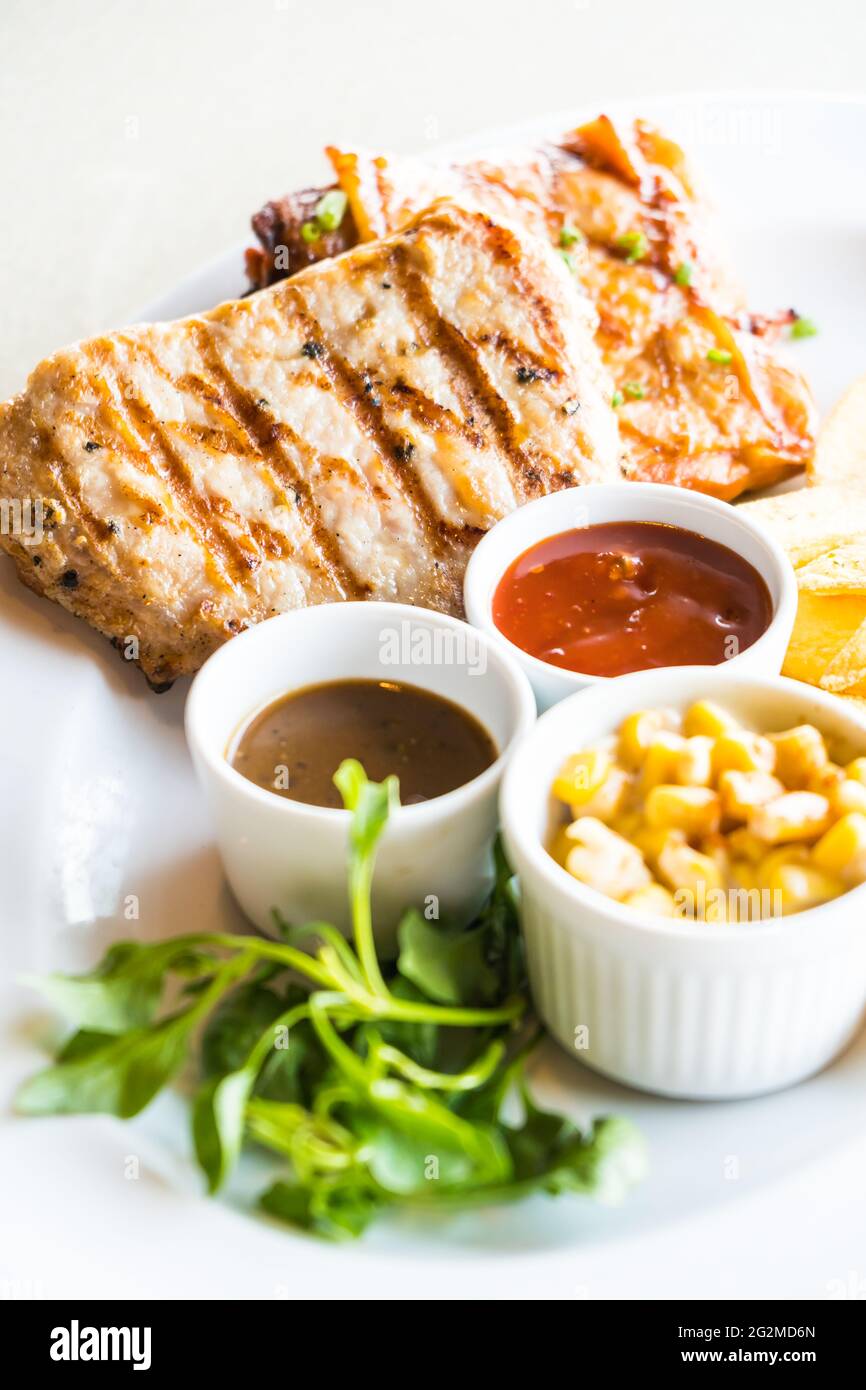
{"x": 691, "y": 847}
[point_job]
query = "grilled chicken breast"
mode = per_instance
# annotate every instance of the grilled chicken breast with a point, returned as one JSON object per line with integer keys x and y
{"x": 705, "y": 398}
{"x": 349, "y": 433}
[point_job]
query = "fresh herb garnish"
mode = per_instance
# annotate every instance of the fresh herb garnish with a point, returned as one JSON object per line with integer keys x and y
{"x": 719, "y": 355}
{"x": 616, "y": 399}
{"x": 569, "y": 261}
{"x": 635, "y": 246}
{"x": 329, "y": 213}
{"x": 377, "y": 1089}
{"x": 569, "y": 235}
{"x": 803, "y": 328}
{"x": 634, "y": 390}
{"x": 683, "y": 274}
{"x": 331, "y": 209}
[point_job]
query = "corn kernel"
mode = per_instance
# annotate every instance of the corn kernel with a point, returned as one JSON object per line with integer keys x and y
{"x": 741, "y": 750}
{"x": 800, "y": 753}
{"x": 744, "y": 845}
{"x": 648, "y": 805}
{"x": 793, "y": 816}
{"x": 694, "y": 810}
{"x": 561, "y": 845}
{"x": 856, "y": 770}
{"x": 741, "y": 792}
{"x": 796, "y": 887}
{"x": 627, "y": 823}
{"x": 715, "y": 846}
{"x": 651, "y": 842}
{"x": 604, "y": 860}
{"x": 638, "y": 731}
{"x": 842, "y": 850}
{"x": 848, "y": 796}
{"x": 773, "y": 861}
{"x": 826, "y": 779}
{"x": 660, "y": 759}
{"x": 707, "y": 718}
{"x": 743, "y": 874}
{"x": 581, "y": 775}
{"x": 693, "y": 764}
{"x": 654, "y": 898}
{"x": 609, "y": 798}
{"x": 687, "y": 870}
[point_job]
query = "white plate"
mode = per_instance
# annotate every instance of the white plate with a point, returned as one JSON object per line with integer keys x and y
{"x": 752, "y": 1199}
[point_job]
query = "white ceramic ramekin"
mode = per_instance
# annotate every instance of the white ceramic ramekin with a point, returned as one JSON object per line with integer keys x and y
{"x": 595, "y": 503}
{"x": 682, "y": 1008}
{"x": 282, "y": 854}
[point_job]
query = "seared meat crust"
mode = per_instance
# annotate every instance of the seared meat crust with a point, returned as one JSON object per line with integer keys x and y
{"x": 349, "y": 433}
{"x": 705, "y": 398}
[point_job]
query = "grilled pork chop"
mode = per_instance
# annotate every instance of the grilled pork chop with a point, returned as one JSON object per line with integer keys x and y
{"x": 706, "y": 400}
{"x": 349, "y": 433}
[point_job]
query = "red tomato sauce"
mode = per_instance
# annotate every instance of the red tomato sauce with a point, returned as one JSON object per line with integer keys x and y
{"x": 628, "y": 595}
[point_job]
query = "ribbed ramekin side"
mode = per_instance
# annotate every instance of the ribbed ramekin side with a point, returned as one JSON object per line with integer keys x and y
{"x": 661, "y": 1021}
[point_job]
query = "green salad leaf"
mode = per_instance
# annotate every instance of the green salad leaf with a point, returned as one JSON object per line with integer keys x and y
{"x": 449, "y": 964}
{"x": 118, "y": 1076}
{"x": 125, "y": 989}
{"x": 374, "y": 1088}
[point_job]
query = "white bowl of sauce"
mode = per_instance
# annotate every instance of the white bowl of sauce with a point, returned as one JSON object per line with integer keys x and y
{"x": 274, "y": 712}
{"x": 599, "y": 581}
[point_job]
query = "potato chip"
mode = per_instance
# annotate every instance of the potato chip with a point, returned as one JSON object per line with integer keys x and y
{"x": 822, "y": 628}
{"x": 847, "y": 671}
{"x": 823, "y": 529}
{"x": 840, "y": 455}
{"x": 838, "y": 571}
{"x": 812, "y": 521}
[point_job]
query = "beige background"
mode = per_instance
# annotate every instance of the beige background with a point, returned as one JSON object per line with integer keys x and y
{"x": 137, "y": 138}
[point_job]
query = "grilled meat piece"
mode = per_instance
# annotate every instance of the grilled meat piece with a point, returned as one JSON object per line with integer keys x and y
{"x": 349, "y": 433}
{"x": 705, "y": 398}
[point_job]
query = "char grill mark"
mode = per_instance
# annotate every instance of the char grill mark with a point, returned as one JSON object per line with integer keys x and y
{"x": 67, "y": 493}
{"x": 349, "y": 385}
{"x": 273, "y": 442}
{"x": 234, "y": 559}
{"x": 483, "y": 401}
{"x": 480, "y": 398}
{"x": 173, "y": 529}
{"x": 628, "y": 192}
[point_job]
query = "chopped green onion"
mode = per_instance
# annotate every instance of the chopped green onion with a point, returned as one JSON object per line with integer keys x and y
{"x": 568, "y": 235}
{"x": 635, "y": 246}
{"x": 569, "y": 260}
{"x": 310, "y": 231}
{"x": 616, "y": 399}
{"x": 634, "y": 390}
{"x": 684, "y": 273}
{"x": 720, "y": 355}
{"x": 803, "y": 328}
{"x": 331, "y": 209}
